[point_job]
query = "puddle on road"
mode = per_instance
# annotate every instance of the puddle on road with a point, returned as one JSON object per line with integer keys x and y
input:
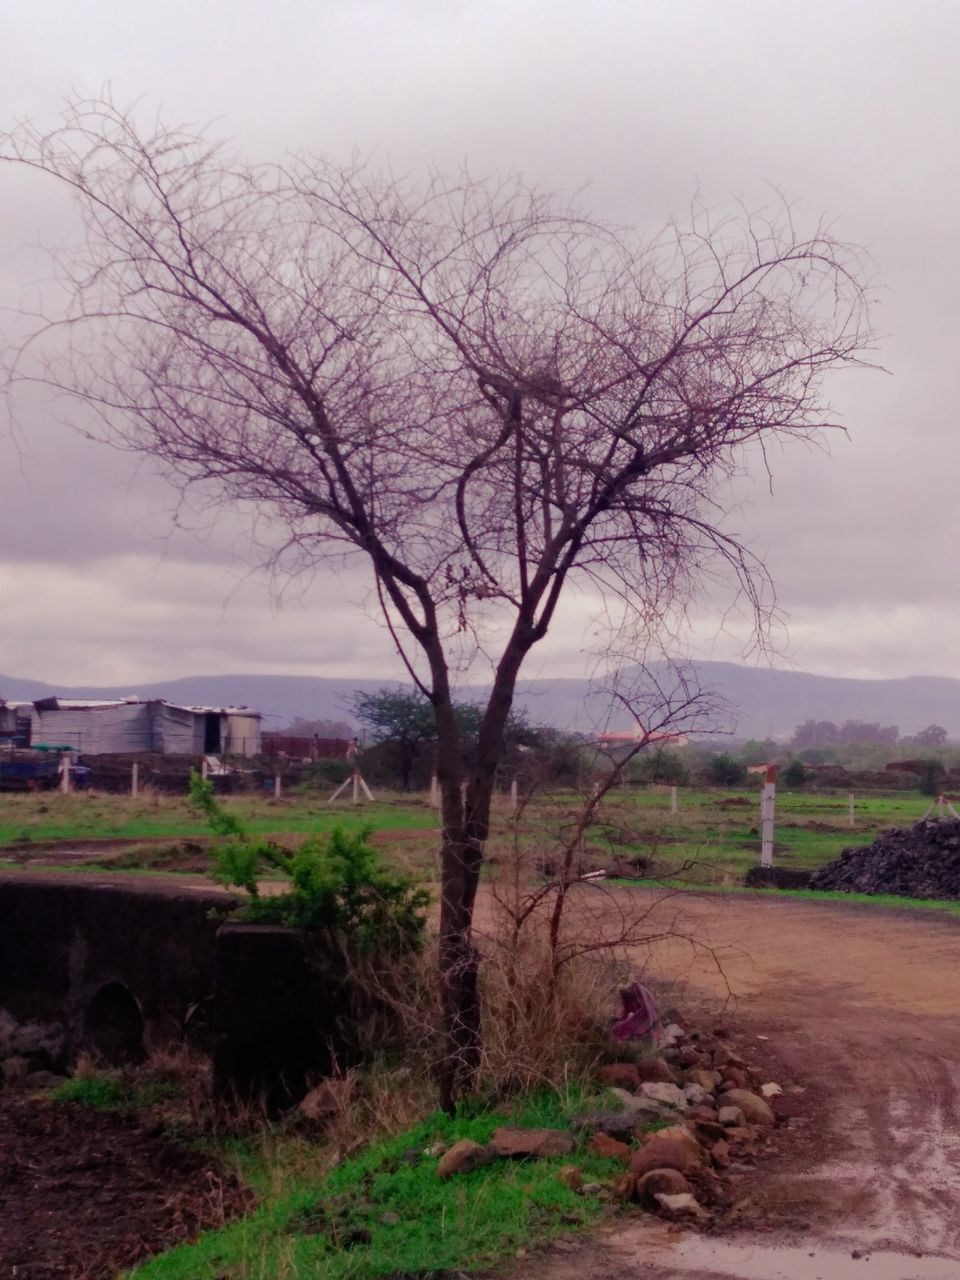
{"x": 697, "y": 1256}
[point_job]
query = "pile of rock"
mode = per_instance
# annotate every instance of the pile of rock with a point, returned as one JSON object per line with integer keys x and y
{"x": 32, "y": 1054}
{"x": 712, "y": 1103}
{"x": 922, "y": 861}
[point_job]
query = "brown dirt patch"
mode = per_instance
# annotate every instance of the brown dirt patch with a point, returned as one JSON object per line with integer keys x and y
{"x": 86, "y": 1194}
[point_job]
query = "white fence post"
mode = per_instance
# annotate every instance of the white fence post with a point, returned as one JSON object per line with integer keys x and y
{"x": 134, "y": 778}
{"x": 276, "y": 786}
{"x": 673, "y": 799}
{"x": 852, "y": 804}
{"x": 514, "y": 796}
{"x": 65, "y": 773}
{"x": 434, "y": 792}
{"x": 767, "y": 805}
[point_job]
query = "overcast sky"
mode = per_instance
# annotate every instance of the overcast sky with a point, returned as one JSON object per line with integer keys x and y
{"x": 850, "y": 107}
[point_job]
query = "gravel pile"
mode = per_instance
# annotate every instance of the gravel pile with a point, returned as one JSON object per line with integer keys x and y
{"x": 922, "y": 861}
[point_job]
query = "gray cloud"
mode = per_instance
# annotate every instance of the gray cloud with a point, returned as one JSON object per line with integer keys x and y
{"x": 850, "y": 109}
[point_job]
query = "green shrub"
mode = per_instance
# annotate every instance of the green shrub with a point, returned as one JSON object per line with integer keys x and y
{"x": 341, "y": 896}
{"x": 725, "y": 771}
{"x": 795, "y": 775}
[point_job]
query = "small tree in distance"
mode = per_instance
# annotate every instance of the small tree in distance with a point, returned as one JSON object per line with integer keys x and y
{"x": 485, "y": 394}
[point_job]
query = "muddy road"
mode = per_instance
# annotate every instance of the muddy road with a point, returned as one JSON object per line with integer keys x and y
{"x": 862, "y": 1010}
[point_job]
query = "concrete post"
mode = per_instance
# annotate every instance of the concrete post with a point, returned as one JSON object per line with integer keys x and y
{"x": 852, "y": 805}
{"x": 134, "y": 778}
{"x": 767, "y": 805}
{"x": 65, "y": 773}
{"x": 673, "y": 799}
{"x": 276, "y": 786}
{"x": 514, "y": 796}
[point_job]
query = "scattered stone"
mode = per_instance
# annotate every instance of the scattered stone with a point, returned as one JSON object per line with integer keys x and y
{"x": 730, "y": 1116}
{"x": 681, "y": 1206}
{"x": 615, "y": 1124}
{"x": 671, "y": 1035}
{"x": 642, "y": 1108}
{"x": 601, "y": 1144}
{"x": 654, "y": 1071}
{"x": 511, "y": 1144}
{"x": 770, "y": 1090}
{"x": 619, "y": 1075}
{"x": 591, "y": 1189}
{"x": 695, "y": 1094}
{"x": 462, "y": 1157}
{"x": 754, "y": 1109}
{"x": 660, "y": 1182}
{"x": 625, "y": 1188}
{"x": 670, "y": 1094}
{"x": 709, "y": 1081}
{"x": 14, "y": 1069}
{"x": 689, "y": 1057}
{"x": 571, "y": 1177}
{"x": 668, "y": 1149}
{"x": 710, "y": 1130}
{"x": 720, "y": 1153}
{"x": 736, "y": 1077}
{"x": 702, "y": 1112}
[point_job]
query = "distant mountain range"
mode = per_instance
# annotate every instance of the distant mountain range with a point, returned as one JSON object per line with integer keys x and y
{"x": 761, "y": 702}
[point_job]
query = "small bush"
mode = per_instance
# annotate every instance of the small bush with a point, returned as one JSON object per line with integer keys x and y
{"x": 725, "y": 771}
{"x": 342, "y": 895}
{"x": 795, "y": 775}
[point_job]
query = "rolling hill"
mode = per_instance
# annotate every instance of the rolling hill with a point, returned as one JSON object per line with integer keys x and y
{"x": 761, "y": 702}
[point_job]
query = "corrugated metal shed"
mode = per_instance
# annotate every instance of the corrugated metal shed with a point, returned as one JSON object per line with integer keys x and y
{"x": 131, "y": 725}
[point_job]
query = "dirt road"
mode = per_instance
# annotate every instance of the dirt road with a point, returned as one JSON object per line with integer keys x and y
{"x": 862, "y": 1008}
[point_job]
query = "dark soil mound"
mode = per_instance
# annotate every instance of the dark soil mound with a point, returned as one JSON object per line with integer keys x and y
{"x": 777, "y": 878}
{"x": 86, "y": 1194}
{"x": 922, "y": 861}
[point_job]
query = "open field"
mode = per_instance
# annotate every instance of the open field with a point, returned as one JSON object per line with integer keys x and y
{"x": 712, "y": 840}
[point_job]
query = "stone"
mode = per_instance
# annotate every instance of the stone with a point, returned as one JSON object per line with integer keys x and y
{"x": 695, "y": 1094}
{"x": 616, "y": 1124}
{"x": 689, "y": 1057}
{"x": 702, "y": 1112}
{"x": 736, "y": 1077}
{"x": 592, "y": 1189}
{"x": 654, "y": 1071}
{"x": 668, "y": 1153}
{"x": 620, "y": 1075}
{"x": 14, "y": 1069}
{"x": 46, "y": 1040}
{"x": 679, "y": 1133}
{"x": 708, "y": 1130}
{"x": 681, "y": 1206}
{"x": 660, "y": 1182}
{"x": 730, "y": 1116}
{"x": 671, "y": 1034}
{"x": 570, "y": 1177}
{"x": 625, "y": 1188}
{"x": 709, "y": 1081}
{"x": 670, "y": 1094}
{"x": 462, "y": 1157}
{"x": 755, "y": 1110}
{"x": 770, "y": 1090}
{"x": 720, "y": 1153}
{"x": 601, "y": 1144}
{"x": 520, "y": 1144}
{"x": 640, "y": 1106}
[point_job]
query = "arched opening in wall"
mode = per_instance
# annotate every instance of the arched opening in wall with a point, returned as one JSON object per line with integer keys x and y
{"x": 113, "y": 1026}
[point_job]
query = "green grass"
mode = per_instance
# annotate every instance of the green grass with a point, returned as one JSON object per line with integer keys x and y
{"x": 110, "y": 1092}
{"x": 49, "y": 817}
{"x": 713, "y": 841}
{"x": 385, "y": 1212}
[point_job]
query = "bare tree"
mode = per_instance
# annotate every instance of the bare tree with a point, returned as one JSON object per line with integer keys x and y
{"x": 483, "y": 392}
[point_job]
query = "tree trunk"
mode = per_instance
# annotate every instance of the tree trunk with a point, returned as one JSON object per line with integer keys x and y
{"x": 465, "y": 831}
